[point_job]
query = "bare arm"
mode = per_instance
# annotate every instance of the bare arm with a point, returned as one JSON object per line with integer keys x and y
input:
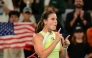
{"x": 6, "y": 9}
{"x": 43, "y": 53}
{"x": 30, "y": 1}
{"x": 67, "y": 55}
{"x": 63, "y": 50}
{"x": 72, "y": 22}
{"x": 7, "y": 5}
{"x": 74, "y": 19}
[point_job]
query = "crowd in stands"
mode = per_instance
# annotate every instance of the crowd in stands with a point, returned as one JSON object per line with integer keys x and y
{"x": 77, "y": 22}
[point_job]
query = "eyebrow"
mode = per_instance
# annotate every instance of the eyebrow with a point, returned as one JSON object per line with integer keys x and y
{"x": 53, "y": 18}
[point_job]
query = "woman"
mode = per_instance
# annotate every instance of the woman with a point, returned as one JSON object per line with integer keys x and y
{"x": 79, "y": 46}
{"x": 53, "y": 45}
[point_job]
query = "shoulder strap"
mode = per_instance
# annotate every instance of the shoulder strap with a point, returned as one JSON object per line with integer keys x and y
{"x": 42, "y": 34}
{"x": 45, "y": 37}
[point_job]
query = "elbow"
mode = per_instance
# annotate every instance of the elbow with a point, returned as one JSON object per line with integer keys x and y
{"x": 42, "y": 55}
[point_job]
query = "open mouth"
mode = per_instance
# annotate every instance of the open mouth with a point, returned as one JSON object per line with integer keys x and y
{"x": 55, "y": 25}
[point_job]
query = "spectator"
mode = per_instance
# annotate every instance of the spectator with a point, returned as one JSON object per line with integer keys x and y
{"x": 32, "y": 18}
{"x": 89, "y": 36}
{"x": 14, "y": 16}
{"x": 79, "y": 46}
{"x": 27, "y": 13}
{"x": 13, "y": 52}
{"x": 77, "y": 17}
{"x": 5, "y": 7}
{"x": 40, "y": 5}
{"x": 4, "y": 15}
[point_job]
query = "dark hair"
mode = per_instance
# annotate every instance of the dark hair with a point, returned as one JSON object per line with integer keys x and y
{"x": 43, "y": 17}
{"x": 14, "y": 13}
{"x": 74, "y": 39}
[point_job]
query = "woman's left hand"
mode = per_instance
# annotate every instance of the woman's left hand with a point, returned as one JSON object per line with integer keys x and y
{"x": 66, "y": 42}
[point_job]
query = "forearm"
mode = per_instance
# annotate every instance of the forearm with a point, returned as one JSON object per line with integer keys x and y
{"x": 67, "y": 56}
{"x": 63, "y": 53}
{"x": 6, "y": 9}
{"x": 45, "y": 53}
{"x": 72, "y": 22}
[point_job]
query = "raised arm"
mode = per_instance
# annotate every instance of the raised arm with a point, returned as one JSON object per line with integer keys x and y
{"x": 66, "y": 43}
{"x": 67, "y": 55}
{"x": 7, "y": 5}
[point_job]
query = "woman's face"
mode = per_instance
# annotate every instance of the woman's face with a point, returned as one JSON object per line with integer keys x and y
{"x": 78, "y": 35}
{"x": 51, "y": 21}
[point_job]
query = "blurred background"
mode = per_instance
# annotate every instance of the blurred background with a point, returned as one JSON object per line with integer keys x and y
{"x": 74, "y": 17}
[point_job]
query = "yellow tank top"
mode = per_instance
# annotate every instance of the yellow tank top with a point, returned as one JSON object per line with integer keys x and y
{"x": 49, "y": 41}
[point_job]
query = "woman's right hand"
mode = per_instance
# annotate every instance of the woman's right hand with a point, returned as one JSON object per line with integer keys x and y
{"x": 58, "y": 35}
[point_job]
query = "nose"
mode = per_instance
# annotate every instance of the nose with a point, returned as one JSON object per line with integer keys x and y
{"x": 56, "y": 21}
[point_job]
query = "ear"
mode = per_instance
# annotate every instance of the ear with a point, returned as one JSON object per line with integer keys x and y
{"x": 45, "y": 21}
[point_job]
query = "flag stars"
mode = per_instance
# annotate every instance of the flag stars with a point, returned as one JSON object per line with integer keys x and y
{"x": 6, "y": 28}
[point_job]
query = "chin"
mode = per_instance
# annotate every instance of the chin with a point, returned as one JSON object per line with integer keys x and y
{"x": 53, "y": 29}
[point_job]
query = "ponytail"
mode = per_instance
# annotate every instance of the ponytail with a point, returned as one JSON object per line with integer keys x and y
{"x": 40, "y": 26}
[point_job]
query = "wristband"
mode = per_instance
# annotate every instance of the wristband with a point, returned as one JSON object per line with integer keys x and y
{"x": 65, "y": 48}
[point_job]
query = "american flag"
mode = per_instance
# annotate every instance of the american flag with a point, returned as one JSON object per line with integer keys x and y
{"x": 16, "y": 35}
